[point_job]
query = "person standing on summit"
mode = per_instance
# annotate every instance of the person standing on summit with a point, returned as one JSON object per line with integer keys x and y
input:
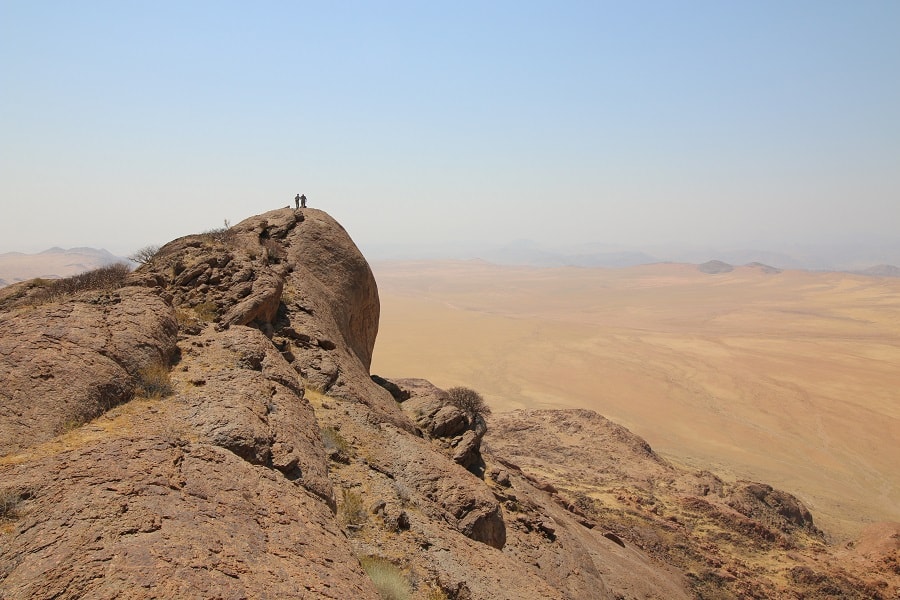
{"x": 303, "y": 201}
{"x": 297, "y": 201}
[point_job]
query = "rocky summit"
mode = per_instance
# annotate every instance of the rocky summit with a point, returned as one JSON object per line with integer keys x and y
{"x": 207, "y": 427}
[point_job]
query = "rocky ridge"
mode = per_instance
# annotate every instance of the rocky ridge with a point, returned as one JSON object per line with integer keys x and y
{"x": 269, "y": 464}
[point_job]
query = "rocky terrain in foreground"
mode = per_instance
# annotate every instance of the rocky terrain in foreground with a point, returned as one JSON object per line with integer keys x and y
{"x": 208, "y": 428}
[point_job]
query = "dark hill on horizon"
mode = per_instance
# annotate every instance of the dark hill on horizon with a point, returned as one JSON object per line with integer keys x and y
{"x": 208, "y": 427}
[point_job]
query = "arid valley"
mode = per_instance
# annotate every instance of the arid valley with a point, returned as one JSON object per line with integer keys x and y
{"x": 786, "y": 377}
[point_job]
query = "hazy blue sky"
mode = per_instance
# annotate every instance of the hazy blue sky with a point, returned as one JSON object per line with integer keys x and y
{"x": 128, "y": 123}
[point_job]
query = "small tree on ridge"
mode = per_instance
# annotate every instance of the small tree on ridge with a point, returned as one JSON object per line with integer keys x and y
{"x": 469, "y": 401}
{"x": 144, "y": 255}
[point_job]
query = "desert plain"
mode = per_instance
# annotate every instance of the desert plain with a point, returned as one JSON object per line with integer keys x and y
{"x": 790, "y": 378}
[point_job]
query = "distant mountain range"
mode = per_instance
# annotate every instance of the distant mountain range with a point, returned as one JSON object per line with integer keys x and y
{"x": 877, "y": 262}
{"x": 864, "y": 259}
{"x": 53, "y": 263}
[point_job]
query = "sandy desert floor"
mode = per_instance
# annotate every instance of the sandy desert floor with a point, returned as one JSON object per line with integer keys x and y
{"x": 788, "y": 378}
{"x": 15, "y": 266}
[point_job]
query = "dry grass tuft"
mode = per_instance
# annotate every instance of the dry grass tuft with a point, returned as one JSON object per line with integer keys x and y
{"x": 10, "y": 501}
{"x": 434, "y": 592}
{"x": 387, "y": 577}
{"x": 335, "y": 444}
{"x": 221, "y": 235}
{"x": 153, "y": 381}
{"x": 352, "y": 512}
{"x": 207, "y": 311}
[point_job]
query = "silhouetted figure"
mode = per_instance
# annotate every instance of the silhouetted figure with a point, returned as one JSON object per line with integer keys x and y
{"x": 297, "y": 201}
{"x": 303, "y": 201}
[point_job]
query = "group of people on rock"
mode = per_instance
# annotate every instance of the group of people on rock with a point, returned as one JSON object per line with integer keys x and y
{"x": 300, "y": 201}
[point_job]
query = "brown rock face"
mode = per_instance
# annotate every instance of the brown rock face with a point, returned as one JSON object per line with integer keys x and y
{"x": 458, "y": 433}
{"x": 327, "y": 259}
{"x": 156, "y": 516}
{"x": 454, "y": 494}
{"x": 328, "y": 314}
{"x": 251, "y": 403}
{"x": 64, "y": 364}
{"x": 734, "y": 540}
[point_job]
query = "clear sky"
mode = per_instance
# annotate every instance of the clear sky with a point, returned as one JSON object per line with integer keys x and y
{"x": 129, "y": 123}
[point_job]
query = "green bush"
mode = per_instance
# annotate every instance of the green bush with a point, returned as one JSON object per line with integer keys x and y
{"x": 387, "y": 577}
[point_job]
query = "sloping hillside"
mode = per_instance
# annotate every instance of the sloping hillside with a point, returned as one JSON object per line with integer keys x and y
{"x": 208, "y": 428}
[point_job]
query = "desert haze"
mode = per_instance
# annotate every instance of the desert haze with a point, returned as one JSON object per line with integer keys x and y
{"x": 52, "y": 263}
{"x": 786, "y": 377}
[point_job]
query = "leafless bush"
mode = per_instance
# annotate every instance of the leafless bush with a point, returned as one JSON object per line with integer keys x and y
{"x": 469, "y": 401}
{"x": 223, "y": 235}
{"x": 109, "y": 277}
{"x": 144, "y": 255}
{"x": 207, "y": 311}
{"x": 10, "y": 502}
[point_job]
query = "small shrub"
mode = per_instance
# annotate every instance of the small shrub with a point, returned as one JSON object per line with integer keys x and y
{"x": 469, "y": 401}
{"x": 223, "y": 235}
{"x": 9, "y": 505}
{"x": 153, "y": 381}
{"x": 72, "y": 423}
{"x": 434, "y": 592}
{"x": 387, "y": 577}
{"x": 207, "y": 311}
{"x": 188, "y": 321}
{"x": 336, "y": 447}
{"x": 109, "y": 277}
{"x": 404, "y": 493}
{"x": 144, "y": 255}
{"x": 353, "y": 514}
{"x": 288, "y": 296}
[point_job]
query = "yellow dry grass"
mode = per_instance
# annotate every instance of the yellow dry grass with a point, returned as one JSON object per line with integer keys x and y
{"x": 792, "y": 379}
{"x": 118, "y": 422}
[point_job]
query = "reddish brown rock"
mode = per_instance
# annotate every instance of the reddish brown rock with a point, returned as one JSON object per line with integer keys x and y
{"x": 156, "y": 517}
{"x": 252, "y": 404}
{"x": 445, "y": 421}
{"x": 734, "y": 540}
{"x": 65, "y": 362}
{"x": 449, "y": 492}
{"x": 260, "y": 305}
